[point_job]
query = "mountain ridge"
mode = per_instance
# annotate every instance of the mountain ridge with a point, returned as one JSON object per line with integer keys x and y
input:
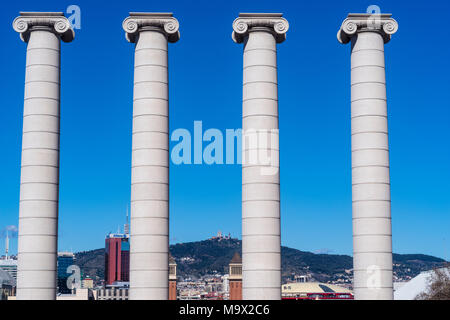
{"x": 195, "y": 259}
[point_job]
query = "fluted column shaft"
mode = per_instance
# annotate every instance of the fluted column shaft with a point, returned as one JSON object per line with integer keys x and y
{"x": 372, "y": 235}
{"x": 261, "y": 256}
{"x": 149, "y": 237}
{"x": 149, "y": 234}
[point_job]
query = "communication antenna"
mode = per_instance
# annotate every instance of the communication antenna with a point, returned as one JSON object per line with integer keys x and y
{"x": 126, "y": 228}
{"x": 7, "y": 245}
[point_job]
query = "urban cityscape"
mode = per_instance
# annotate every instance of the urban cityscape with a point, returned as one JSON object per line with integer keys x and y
{"x": 75, "y": 283}
{"x": 210, "y": 213}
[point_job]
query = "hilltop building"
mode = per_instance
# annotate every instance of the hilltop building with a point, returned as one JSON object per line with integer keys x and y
{"x": 220, "y": 236}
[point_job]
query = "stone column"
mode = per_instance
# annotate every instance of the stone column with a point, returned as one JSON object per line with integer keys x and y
{"x": 372, "y": 236}
{"x": 39, "y": 184}
{"x": 149, "y": 234}
{"x": 261, "y": 245}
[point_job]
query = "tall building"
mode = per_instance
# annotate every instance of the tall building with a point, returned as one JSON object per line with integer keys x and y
{"x": 117, "y": 258}
{"x": 172, "y": 278}
{"x": 226, "y": 286}
{"x": 65, "y": 260}
{"x": 235, "y": 278}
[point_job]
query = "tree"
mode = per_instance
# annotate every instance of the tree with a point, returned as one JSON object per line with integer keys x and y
{"x": 439, "y": 285}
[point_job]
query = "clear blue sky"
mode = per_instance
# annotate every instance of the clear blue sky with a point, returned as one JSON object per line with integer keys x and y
{"x": 206, "y": 84}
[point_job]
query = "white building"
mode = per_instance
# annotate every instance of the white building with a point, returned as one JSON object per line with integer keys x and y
{"x": 411, "y": 289}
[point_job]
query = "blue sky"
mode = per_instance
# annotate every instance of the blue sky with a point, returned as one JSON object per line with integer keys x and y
{"x": 206, "y": 84}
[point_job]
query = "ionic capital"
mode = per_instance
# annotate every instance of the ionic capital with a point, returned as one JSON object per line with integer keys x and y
{"x": 363, "y": 22}
{"x": 137, "y": 21}
{"x": 55, "y": 21}
{"x": 246, "y": 21}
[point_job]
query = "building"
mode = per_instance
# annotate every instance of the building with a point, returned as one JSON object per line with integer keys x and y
{"x": 78, "y": 294}
{"x": 65, "y": 260}
{"x": 119, "y": 290}
{"x": 7, "y": 285}
{"x": 87, "y": 283}
{"x": 220, "y": 236}
{"x": 113, "y": 293}
{"x": 10, "y": 266}
{"x": 172, "y": 278}
{"x": 117, "y": 269}
{"x": 7, "y": 263}
{"x": 226, "y": 286}
{"x": 417, "y": 285}
{"x": 314, "y": 291}
{"x": 117, "y": 258}
{"x": 235, "y": 277}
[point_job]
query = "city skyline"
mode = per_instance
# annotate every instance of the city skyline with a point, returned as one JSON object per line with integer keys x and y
{"x": 315, "y": 191}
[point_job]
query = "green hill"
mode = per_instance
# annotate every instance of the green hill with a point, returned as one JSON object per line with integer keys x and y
{"x": 209, "y": 256}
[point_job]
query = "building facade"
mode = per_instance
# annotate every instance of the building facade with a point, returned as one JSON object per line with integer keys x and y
{"x": 235, "y": 277}
{"x": 112, "y": 294}
{"x": 10, "y": 266}
{"x": 315, "y": 291}
{"x": 172, "y": 278}
{"x": 7, "y": 285}
{"x": 64, "y": 261}
{"x": 117, "y": 258}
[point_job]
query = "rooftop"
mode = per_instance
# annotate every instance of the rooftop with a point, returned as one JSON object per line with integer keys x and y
{"x": 8, "y": 262}
{"x": 411, "y": 289}
{"x": 6, "y": 279}
{"x": 236, "y": 258}
{"x": 312, "y": 287}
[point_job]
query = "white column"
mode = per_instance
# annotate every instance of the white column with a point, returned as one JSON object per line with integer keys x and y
{"x": 261, "y": 244}
{"x": 372, "y": 236}
{"x": 39, "y": 184}
{"x": 149, "y": 234}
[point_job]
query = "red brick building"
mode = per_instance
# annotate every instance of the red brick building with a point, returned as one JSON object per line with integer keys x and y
{"x": 172, "y": 278}
{"x": 235, "y": 272}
